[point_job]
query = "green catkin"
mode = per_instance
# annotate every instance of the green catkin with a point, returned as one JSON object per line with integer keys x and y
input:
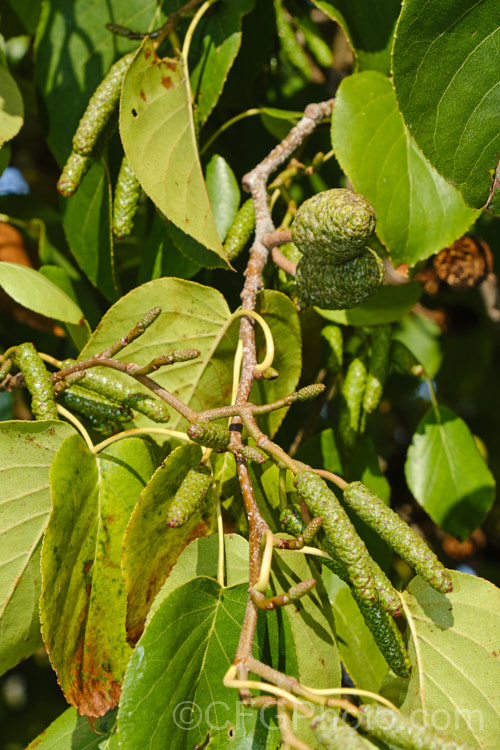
{"x": 334, "y": 734}
{"x": 403, "y": 540}
{"x": 126, "y": 200}
{"x": 335, "y": 341}
{"x": 5, "y": 368}
{"x": 349, "y": 549}
{"x": 380, "y": 623}
{"x": 310, "y": 391}
{"x": 100, "y": 107}
{"x": 378, "y": 367}
{"x": 112, "y": 389}
{"x": 105, "y": 416}
{"x": 289, "y": 45}
{"x": 387, "y": 595}
{"x": 351, "y": 399}
{"x": 252, "y": 454}
{"x": 38, "y": 381}
{"x": 314, "y": 41}
{"x": 189, "y": 496}
{"x": 209, "y": 435}
{"x": 73, "y": 173}
{"x": 240, "y": 230}
{"x": 405, "y": 361}
{"x": 390, "y": 726}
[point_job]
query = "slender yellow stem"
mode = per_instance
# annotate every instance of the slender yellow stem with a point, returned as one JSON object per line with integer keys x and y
{"x": 192, "y": 26}
{"x": 232, "y": 121}
{"x": 265, "y": 568}
{"x": 140, "y": 431}
{"x": 230, "y": 682}
{"x": 353, "y": 691}
{"x": 81, "y": 429}
{"x": 268, "y": 359}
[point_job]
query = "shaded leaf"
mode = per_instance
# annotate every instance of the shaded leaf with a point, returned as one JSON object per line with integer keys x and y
{"x": 179, "y": 662}
{"x": 281, "y": 315}
{"x": 454, "y": 650}
{"x": 422, "y": 336}
{"x": 418, "y": 212}
{"x": 150, "y": 547}
{"x": 358, "y": 650}
{"x": 452, "y": 108}
{"x": 26, "y": 453}
{"x": 193, "y": 317}
{"x": 11, "y": 104}
{"x": 369, "y": 28}
{"x": 223, "y": 192}
{"x": 73, "y": 732}
{"x": 215, "y": 45}
{"x": 389, "y": 304}
{"x": 75, "y": 50}
{"x": 33, "y": 290}
{"x": 157, "y": 129}
{"x": 311, "y": 621}
{"x": 83, "y": 601}
{"x": 87, "y": 224}
{"x": 447, "y": 474}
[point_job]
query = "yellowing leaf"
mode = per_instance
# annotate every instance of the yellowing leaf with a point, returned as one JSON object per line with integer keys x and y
{"x": 158, "y": 134}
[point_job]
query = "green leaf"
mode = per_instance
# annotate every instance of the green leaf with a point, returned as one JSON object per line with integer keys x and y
{"x": 34, "y": 291}
{"x": 311, "y": 620}
{"x": 87, "y": 224}
{"x": 75, "y": 50}
{"x": 223, "y": 192}
{"x": 200, "y": 558}
{"x": 452, "y": 108}
{"x": 422, "y": 337}
{"x": 83, "y": 602}
{"x": 150, "y": 547}
{"x": 447, "y": 474}
{"x": 81, "y": 333}
{"x": 160, "y": 255}
{"x": 4, "y": 157}
{"x": 11, "y": 105}
{"x": 158, "y": 134}
{"x": 281, "y": 315}
{"x": 179, "y": 663}
{"x": 369, "y": 28}
{"x": 193, "y": 317}
{"x": 454, "y": 650}
{"x": 73, "y": 732}
{"x": 389, "y": 304}
{"x": 26, "y": 453}
{"x": 214, "y": 47}
{"x": 418, "y": 212}
{"x": 358, "y": 650}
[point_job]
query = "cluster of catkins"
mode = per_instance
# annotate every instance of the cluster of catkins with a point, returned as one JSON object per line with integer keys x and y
{"x": 95, "y": 127}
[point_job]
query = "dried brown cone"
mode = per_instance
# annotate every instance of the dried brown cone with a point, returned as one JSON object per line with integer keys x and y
{"x": 464, "y": 264}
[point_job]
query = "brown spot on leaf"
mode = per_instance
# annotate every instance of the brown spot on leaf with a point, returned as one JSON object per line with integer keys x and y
{"x": 147, "y": 54}
{"x": 143, "y": 96}
{"x": 167, "y": 82}
{"x": 87, "y": 566}
{"x": 172, "y": 64}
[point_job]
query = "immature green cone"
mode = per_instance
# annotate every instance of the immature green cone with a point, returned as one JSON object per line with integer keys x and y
{"x": 189, "y": 496}
{"x": 392, "y": 727}
{"x": 398, "y": 535}
{"x": 126, "y": 200}
{"x": 213, "y": 436}
{"x": 349, "y": 549}
{"x": 335, "y": 224}
{"x": 334, "y": 734}
{"x": 240, "y": 230}
{"x": 100, "y": 107}
{"x": 339, "y": 286}
{"x": 38, "y": 381}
